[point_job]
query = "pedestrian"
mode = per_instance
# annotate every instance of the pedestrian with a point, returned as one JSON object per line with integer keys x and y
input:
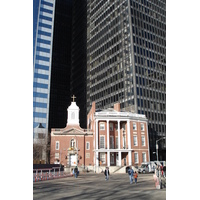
{"x": 106, "y": 173}
{"x": 135, "y": 176}
{"x": 130, "y": 173}
{"x": 76, "y": 171}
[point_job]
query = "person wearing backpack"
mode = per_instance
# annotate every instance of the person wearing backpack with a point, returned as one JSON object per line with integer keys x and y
{"x": 130, "y": 173}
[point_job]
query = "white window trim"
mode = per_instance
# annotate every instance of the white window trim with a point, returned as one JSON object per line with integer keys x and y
{"x": 135, "y": 126}
{"x": 145, "y": 157}
{"x": 102, "y": 123}
{"x": 57, "y": 142}
{"x": 141, "y": 127}
{"x": 100, "y": 141}
{"x": 74, "y": 143}
{"x": 88, "y": 145}
{"x": 136, "y": 140}
{"x": 137, "y": 157}
{"x": 144, "y": 140}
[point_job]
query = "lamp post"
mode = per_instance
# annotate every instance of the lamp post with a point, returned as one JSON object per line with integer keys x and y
{"x": 157, "y": 147}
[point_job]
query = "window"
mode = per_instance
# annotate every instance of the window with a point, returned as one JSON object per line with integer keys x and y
{"x": 102, "y": 126}
{"x": 142, "y": 127}
{"x": 134, "y": 126}
{"x": 112, "y": 158}
{"x": 111, "y": 126}
{"x": 135, "y": 140}
{"x": 116, "y": 127}
{"x": 102, "y": 141}
{"x": 87, "y": 146}
{"x": 111, "y": 142}
{"x": 136, "y": 157}
{"x": 56, "y": 155}
{"x": 57, "y": 145}
{"x": 102, "y": 158}
{"x": 143, "y": 141}
{"x": 72, "y": 143}
{"x": 116, "y": 143}
{"x": 144, "y": 157}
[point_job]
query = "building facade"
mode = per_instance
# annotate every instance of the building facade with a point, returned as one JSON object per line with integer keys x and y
{"x": 42, "y": 71}
{"x": 126, "y": 60}
{"x": 51, "y": 69}
{"x": 120, "y": 138}
{"x": 113, "y": 139}
{"x": 72, "y": 145}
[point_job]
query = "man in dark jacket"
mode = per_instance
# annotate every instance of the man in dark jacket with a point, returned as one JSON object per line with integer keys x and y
{"x": 76, "y": 171}
{"x": 106, "y": 173}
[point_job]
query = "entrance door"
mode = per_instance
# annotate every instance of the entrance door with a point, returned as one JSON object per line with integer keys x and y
{"x": 124, "y": 161}
{"x": 117, "y": 159}
{"x": 72, "y": 160}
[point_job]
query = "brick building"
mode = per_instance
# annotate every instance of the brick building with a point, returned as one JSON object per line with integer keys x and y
{"x": 72, "y": 144}
{"x": 120, "y": 138}
{"x": 113, "y": 138}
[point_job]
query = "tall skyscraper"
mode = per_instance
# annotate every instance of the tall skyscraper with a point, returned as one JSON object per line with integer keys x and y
{"x": 126, "y": 60}
{"x": 42, "y": 70}
{"x": 79, "y": 57}
{"x": 51, "y": 68}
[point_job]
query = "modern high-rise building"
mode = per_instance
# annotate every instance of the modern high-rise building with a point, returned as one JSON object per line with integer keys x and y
{"x": 42, "y": 70}
{"x": 79, "y": 57}
{"x": 126, "y": 61}
{"x": 52, "y": 22}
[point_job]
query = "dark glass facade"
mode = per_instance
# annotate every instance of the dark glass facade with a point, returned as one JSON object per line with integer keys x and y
{"x": 61, "y": 65}
{"x": 79, "y": 53}
{"x": 126, "y": 60}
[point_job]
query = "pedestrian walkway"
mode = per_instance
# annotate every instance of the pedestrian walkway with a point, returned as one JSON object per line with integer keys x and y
{"x": 94, "y": 186}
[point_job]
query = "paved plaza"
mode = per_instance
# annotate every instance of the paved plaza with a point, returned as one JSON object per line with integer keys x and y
{"x": 94, "y": 186}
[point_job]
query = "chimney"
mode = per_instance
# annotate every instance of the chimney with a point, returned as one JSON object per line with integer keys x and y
{"x": 117, "y": 107}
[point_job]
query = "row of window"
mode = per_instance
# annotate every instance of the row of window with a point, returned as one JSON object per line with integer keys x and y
{"x": 72, "y": 144}
{"x": 136, "y": 158}
{"x": 102, "y": 126}
{"x": 135, "y": 141}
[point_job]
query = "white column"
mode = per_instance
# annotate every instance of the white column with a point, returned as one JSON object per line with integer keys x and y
{"x": 129, "y": 142}
{"x": 108, "y": 136}
{"x": 119, "y": 134}
{"x": 97, "y": 161}
{"x": 128, "y": 135}
{"x": 120, "y": 158}
{"x": 130, "y": 158}
{"x": 97, "y": 135}
{"x": 108, "y": 158}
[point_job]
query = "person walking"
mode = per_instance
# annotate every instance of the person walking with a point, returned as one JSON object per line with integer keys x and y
{"x": 106, "y": 173}
{"x": 135, "y": 176}
{"x": 76, "y": 171}
{"x": 130, "y": 173}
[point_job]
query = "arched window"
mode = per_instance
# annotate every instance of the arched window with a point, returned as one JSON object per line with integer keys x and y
{"x": 72, "y": 143}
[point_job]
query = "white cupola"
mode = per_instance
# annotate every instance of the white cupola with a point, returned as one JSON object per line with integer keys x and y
{"x": 73, "y": 113}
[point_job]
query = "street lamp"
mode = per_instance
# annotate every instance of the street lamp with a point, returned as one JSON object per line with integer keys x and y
{"x": 157, "y": 147}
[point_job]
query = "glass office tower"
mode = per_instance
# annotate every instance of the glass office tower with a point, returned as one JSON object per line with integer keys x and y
{"x": 126, "y": 60}
{"x": 42, "y": 70}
